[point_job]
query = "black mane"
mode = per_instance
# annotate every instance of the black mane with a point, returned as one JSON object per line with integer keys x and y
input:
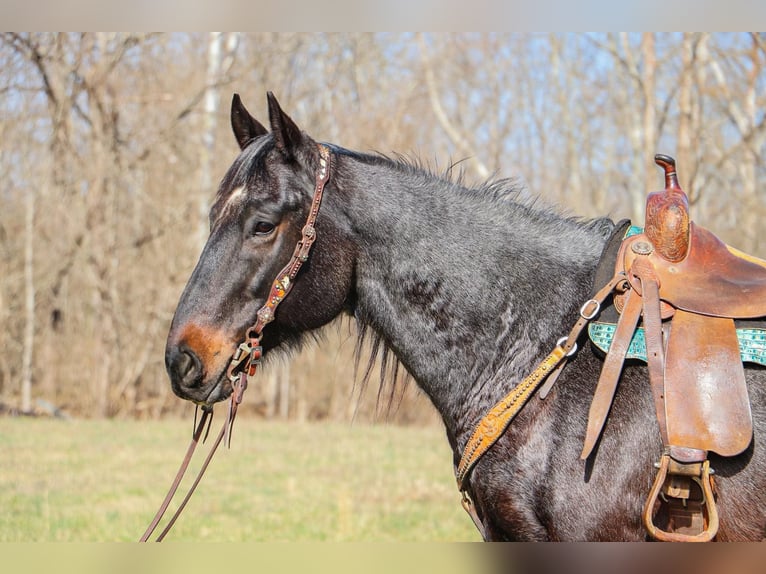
{"x": 507, "y": 194}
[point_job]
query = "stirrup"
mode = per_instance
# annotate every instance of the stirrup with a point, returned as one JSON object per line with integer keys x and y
{"x": 673, "y": 485}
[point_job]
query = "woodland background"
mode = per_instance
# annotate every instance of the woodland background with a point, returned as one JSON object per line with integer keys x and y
{"x": 112, "y": 145}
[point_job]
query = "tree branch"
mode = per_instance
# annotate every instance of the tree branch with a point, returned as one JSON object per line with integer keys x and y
{"x": 452, "y": 132}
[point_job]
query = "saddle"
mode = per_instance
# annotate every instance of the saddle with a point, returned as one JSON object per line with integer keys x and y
{"x": 681, "y": 292}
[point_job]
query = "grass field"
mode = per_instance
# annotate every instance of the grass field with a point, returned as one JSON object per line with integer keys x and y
{"x": 89, "y": 481}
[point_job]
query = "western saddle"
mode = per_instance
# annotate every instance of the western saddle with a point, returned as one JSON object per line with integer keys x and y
{"x": 676, "y": 292}
{"x": 686, "y": 288}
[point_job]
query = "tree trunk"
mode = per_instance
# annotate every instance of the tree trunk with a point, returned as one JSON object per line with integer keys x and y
{"x": 688, "y": 123}
{"x": 453, "y": 132}
{"x": 284, "y": 391}
{"x": 649, "y": 148}
{"x": 211, "y": 105}
{"x": 749, "y": 169}
{"x": 29, "y": 302}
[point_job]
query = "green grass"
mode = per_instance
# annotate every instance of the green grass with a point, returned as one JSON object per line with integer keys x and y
{"x": 89, "y": 481}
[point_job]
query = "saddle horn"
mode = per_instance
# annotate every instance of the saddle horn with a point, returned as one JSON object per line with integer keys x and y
{"x": 667, "y": 222}
{"x": 669, "y": 165}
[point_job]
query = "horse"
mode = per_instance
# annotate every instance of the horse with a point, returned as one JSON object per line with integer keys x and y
{"x": 467, "y": 287}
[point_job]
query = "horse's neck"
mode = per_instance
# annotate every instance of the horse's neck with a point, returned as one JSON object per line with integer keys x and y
{"x": 465, "y": 289}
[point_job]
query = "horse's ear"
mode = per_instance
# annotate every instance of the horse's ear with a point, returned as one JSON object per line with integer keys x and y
{"x": 245, "y": 126}
{"x": 286, "y": 134}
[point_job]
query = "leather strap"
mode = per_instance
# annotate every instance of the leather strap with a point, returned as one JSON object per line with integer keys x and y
{"x": 470, "y": 508}
{"x": 589, "y": 311}
{"x": 493, "y": 424}
{"x": 610, "y": 372}
{"x": 206, "y": 413}
{"x": 496, "y": 421}
{"x": 283, "y": 283}
{"x": 655, "y": 348}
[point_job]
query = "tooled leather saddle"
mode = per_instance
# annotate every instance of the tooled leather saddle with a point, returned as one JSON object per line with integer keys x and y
{"x": 683, "y": 289}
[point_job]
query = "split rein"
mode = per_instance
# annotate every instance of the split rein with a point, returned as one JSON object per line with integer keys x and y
{"x": 247, "y": 357}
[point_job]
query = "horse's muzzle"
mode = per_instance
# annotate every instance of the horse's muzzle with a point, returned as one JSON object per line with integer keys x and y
{"x": 196, "y": 357}
{"x": 187, "y": 378}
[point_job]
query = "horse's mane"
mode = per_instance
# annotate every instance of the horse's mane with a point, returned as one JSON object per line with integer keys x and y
{"x": 453, "y": 176}
{"x": 508, "y": 193}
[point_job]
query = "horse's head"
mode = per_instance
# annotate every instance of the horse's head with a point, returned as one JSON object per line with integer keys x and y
{"x": 255, "y": 224}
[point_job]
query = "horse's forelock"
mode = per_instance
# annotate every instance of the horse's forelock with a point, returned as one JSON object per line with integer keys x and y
{"x": 244, "y": 169}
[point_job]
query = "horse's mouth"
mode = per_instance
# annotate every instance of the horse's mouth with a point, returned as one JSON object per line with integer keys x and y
{"x": 221, "y": 391}
{"x": 208, "y": 394}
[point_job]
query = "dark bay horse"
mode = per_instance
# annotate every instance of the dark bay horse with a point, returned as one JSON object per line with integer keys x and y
{"x": 469, "y": 288}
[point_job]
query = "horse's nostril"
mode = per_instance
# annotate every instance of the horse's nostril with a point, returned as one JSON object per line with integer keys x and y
{"x": 186, "y": 367}
{"x": 185, "y": 363}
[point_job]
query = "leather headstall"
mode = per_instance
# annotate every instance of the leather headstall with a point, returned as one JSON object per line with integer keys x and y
{"x": 246, "y": 359}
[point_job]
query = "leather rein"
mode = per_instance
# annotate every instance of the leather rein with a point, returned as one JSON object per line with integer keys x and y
{"x": 247, "y": 357}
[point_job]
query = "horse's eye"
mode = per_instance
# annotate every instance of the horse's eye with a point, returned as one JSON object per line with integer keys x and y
{"x": 263, "y": 228}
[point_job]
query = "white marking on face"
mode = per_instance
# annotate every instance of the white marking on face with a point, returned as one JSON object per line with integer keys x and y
{"x": 236, "y": 195}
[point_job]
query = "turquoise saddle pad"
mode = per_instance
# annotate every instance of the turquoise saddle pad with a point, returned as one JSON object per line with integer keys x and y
{"x": 752, "y": 342}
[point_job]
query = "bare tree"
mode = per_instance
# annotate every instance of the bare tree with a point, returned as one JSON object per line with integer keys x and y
{"x": 744, "y": 111}
{"x": 113, "y": 144}
{"x": 29, "y": 302}
{"x": 220, "y": 58}
{"x": 458, "y": 139}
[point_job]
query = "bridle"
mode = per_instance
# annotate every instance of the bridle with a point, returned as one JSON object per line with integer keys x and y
{"x": 246, "y": 359}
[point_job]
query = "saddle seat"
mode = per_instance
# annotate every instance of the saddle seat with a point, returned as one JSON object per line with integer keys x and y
{"x": 711, "y": 280}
